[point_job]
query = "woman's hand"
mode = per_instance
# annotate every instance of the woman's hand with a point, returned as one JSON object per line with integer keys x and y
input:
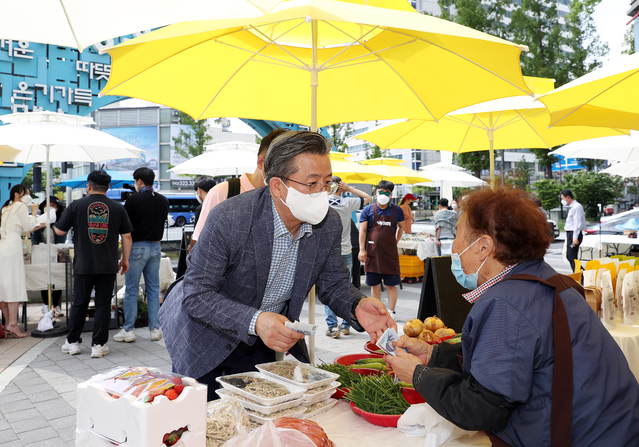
{"x": 34, "y": 209}
{"x": 403, "y": 365}
{"x": 416, "y": 347}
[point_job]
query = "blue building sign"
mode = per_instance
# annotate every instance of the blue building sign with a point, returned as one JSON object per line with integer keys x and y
{"x": 565, "y": 164}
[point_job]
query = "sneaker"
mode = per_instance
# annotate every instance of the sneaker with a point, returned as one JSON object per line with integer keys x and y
{"x": 345, "y": 331}
{"x": 156, "y": 334}
{"x": 98, "y": 351}
{"x": 393, "y": 314}
{"x": 57, "y": 312}
{"x": 125, "y": 336}
{"x": 332, "y": 332}
{"x": 71, "y": 348}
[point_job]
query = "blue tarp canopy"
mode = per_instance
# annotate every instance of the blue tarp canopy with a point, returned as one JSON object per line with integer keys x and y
{"x": 117, "y": 179}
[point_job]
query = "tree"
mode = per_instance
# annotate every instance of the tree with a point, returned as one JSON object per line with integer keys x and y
{"x": 55, "y": 176}
{"x": 590, "y": 163}
{"x": 629, "y": 41}
{"x": 376, "y": 152}
{"x": 191, "y": 143}
{"x": 548, "y": 192}
{"x": 339, "y": 133}
{"x": 482, "y": 16}
{"x": 592, "y": 189}
{"x": 475, "y": 162}
{"x": 633, "y": 188}
{"x": 523, "y": 171}
{"x": 545, "y": 160}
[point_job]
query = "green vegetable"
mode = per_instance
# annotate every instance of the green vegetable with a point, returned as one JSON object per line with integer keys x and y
{"x": 346, "y": 378}
{"x": 377, "y": 366}
{"x": 405, "y": 385}
{"x": 370, "y": 360}
{"x": 379, "y": 395}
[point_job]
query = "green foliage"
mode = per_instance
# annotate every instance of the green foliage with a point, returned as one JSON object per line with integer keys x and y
{"x": 523, "y": 171}
{"x": 421, "y": 190}
{"x": 339, "y": 133}
{"x": 545, "y": 160}
{"x": 475, "y": 162}
{"x": 633, "y": 188}
{"x": 482, "y": 16}
{"x": 592, "y": 189}
{"x": 629, "y": 41}
{"x": 590, "y": 163}
{"x": 191, "y": 143}
{"x": 548, "y": 192}
{"x": 55, "y": 177}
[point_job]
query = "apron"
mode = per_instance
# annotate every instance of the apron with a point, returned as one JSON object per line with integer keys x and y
{"x": 381, "y": 245}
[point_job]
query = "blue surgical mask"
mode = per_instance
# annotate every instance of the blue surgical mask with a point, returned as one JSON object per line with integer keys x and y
{"x": 467, "y": 281}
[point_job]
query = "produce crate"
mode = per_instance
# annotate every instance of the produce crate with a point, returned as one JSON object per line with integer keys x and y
{"x": 410, "y": 267}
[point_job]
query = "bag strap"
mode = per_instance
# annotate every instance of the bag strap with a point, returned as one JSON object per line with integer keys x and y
{"x": 561, "y": 403}
{"x": 234, "y": 187}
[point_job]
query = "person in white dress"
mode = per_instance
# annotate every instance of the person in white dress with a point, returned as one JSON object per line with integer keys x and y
{"x": 13, "y": 288}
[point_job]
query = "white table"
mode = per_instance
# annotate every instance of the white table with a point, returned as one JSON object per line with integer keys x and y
{"x": 598, "y": 242}
{"x": 346, "y": 428}
{"x": 627, "y": 337}
{"x": 167, "y": 275}
{"x": 36, "y": 275}
{"x": 426, "y": 246}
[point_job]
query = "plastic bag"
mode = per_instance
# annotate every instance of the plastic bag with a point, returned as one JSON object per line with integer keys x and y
{"x": 311, "y": 429}
{"x": 225, "y": 419}
{"x": 268, "y": 435}
{"x": 46, "y": 323}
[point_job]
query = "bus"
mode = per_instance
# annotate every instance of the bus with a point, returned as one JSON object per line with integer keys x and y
{"x": 182, "y": 208}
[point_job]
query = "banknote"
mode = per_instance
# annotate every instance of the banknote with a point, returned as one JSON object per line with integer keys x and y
{"x": 385, "y": 342}
{"x": 304, "y": 328}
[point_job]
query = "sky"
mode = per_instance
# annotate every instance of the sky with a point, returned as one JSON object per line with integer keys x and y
{"x": 610, "y": 18}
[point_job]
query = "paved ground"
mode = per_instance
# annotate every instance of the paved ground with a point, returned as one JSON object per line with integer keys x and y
{"x": 38, "y": 382}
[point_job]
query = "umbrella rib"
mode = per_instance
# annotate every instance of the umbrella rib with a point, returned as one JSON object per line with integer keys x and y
{"x": 281, "y": 62}
{"x": 346, "y": 63}
{"x": 353, "y": 42}
{"x": 462, "y": 57}
{"x": 594, "y": 97}
{"x": 66, "y": 16}
{"x": 273, "y": 42}
{"x": 533, "y": 129}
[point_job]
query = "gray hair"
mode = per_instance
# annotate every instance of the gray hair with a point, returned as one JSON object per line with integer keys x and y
{"x": 280, "y": 158}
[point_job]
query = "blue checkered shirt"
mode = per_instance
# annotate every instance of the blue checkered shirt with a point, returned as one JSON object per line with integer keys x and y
{"x": 283, "y": 266}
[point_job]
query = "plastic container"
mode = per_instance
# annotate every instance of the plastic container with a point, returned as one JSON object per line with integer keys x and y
{"x": 383, "y": 420}
{"x": 330, "y": 403}
{"x": 226, "y": 394}
{"x": 412, "y": 396}
{"x": 410, "y": 266}
{"x": 372, "y": 348}
{"x": 349, "y": 359}
{"x": 310, "y": 377}
{"x": 294, "y": 391}
{"x": 264, "y": 419}
{"x": 312, "y": 398}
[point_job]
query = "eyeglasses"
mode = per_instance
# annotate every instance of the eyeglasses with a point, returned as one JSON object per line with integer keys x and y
{"x": 315, "y": 188}
{"x": 386, "y": 193}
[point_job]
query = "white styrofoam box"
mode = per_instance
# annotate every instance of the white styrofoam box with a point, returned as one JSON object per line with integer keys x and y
{"x": 328, "y": 404}
{"x": 39, "y": 254}
{"x": 264, "y": 409}
{"x": 299, "y": 411}
{"x": 311, "y": 398}
{"x": 130, "y": 423}
{"x": 316, "y": 377}
{"x": 294, "y": 391}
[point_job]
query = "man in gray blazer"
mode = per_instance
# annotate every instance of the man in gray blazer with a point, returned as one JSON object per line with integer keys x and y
{"x": 256, "y": 260}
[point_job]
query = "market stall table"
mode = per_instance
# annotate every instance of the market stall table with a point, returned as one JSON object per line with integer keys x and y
{"x": 425, "y": 245}
{"x": 627, "y": 337}
{"x": 36, "y": 276}
{"x": 344, "y": 427}
{"x": 167, "y": 275}
{"x": 605, "y": 240}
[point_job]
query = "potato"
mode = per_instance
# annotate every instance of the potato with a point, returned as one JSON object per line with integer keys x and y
{"x": 413, "y": 327}
{"x": 444, "y": 332}
{"x": 433, "y": 323}
{"x": 426, "y": 335}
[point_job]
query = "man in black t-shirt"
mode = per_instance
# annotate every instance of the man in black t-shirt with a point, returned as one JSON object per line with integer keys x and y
{"x": 97, "y": 222}
{"x": 147, "y": 211}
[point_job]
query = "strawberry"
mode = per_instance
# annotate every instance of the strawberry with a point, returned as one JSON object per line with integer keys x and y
{"x": 176, "y": 380}
{"x": 178, "y": 389}
{"x": 165, "y": 438}
{"x": 171, "y": 394}
{"x": 172, "y": 439}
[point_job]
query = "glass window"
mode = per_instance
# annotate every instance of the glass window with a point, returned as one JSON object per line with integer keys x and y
{"x": 165, "y": 116}
{"x": 165, "y": 134}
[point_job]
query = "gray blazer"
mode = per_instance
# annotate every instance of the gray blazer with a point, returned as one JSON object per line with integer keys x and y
{"x": 207, "y": 314}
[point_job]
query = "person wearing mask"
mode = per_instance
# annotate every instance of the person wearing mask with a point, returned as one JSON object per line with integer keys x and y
{"x": 147, "y": 211}
{"x": 13, "y": 282}
{"x": 381, "y": 226}
{"x": 453, "y": 205}
{"x": 535, "y": 366}
{"x": 345, "y": 206}
{"x": 405, "y": 205}
{"x": 202, "y": 186}
{"x": 97, "y": 222}
{"x": 445, "y": 226}
{"x": 574, "y": 226}
{"x": 258, "y": 256}
{"x": 224, "y": 190}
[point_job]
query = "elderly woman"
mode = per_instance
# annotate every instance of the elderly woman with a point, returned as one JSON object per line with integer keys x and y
{"x": 518, "y": 330}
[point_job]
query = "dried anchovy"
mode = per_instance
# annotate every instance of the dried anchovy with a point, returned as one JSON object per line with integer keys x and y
{"x": 276, "y": 414}
{"x": 221, "y": 425}
{"x": 258, "y": 386}
{"x": 317, "y": 406}
{"x": 287, "y": 370}
{"x": 318, "y": 389}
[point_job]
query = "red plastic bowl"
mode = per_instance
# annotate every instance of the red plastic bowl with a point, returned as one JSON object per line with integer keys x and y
{"x": 340, "y": 393}
{"x": 349, "y": 359}
{"x": 372, "y": 348}
{"x": 383, "y": 420}
{"x": 412, "y": 396}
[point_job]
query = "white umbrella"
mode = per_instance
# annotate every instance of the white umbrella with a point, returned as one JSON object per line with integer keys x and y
{"x": 232, "y": 158}
{"x": 622, "y": 148}
{"x": 624, "y": 170}
{"x": 453, "y": 176}
{"x": 49, "y": 136}
{"x": 82, "y": 23}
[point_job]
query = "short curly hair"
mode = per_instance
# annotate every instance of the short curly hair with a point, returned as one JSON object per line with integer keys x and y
{"x": 511, "y": 219}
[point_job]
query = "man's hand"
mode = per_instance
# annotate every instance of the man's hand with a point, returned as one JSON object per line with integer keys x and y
{"x": 362, "y": 256}
{"x": 416, "y": 347}
{"x": 373, "y": 317}
{"x": 270, "y": 328}
{"x": 403, "y": 365}
{"x": 575, "y": 242}
{"x": 123, "y": 266}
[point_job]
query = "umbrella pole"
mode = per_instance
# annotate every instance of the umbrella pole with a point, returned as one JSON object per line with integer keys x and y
{"x": 491, "y": 151}
{"x": 314, "y": 82}
{"x": 47, "y": 228}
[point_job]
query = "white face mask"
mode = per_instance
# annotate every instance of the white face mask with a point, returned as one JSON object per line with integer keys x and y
{"x": 383, "y": 199}
{"x": 26, "y": 200}
{"x": 564, "y": 203}
{"x": 137, "y": 188}
{"x": 199, "y": 200}
{"x": 454, "y": 206}
{"x": 306, "y": 208}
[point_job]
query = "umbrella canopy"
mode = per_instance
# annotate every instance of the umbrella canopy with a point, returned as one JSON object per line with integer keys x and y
{"x": 318, "y": 62}
{"x": 509, "y": 123}
{"x": 605, "y": 97}
{"x": 392, "y": 170}
{"x": 117, "y": 179}
{"x": 622, "y": 148}
{"x": 632, "y": 224}
{"x": 454, "y": 175}
{"x": 232, "y": 158}
{"x": 351, "y": 172}
{"x": 75, "y": 23}
{"x": 625, "y": 170}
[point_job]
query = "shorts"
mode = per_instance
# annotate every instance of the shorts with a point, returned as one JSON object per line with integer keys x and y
{"x": 374, "y": 279}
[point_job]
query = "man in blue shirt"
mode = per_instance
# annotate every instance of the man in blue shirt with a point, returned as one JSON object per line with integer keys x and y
{"x": 381, "y": 226}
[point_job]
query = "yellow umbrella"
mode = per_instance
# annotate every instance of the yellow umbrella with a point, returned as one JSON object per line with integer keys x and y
{"x": 351, "y": 172}
{"x": 606, "y": 97}
{"x": 318, "y": 62}
{"x": 509, "y": 123}
{"x": 391, "y": 169}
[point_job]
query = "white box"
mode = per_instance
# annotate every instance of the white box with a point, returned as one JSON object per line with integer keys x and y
{"x": 104, "y": 420}
{"x": 39, "y": 254}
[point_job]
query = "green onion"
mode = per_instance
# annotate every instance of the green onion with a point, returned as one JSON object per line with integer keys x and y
{"x": 379, "y": 395}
